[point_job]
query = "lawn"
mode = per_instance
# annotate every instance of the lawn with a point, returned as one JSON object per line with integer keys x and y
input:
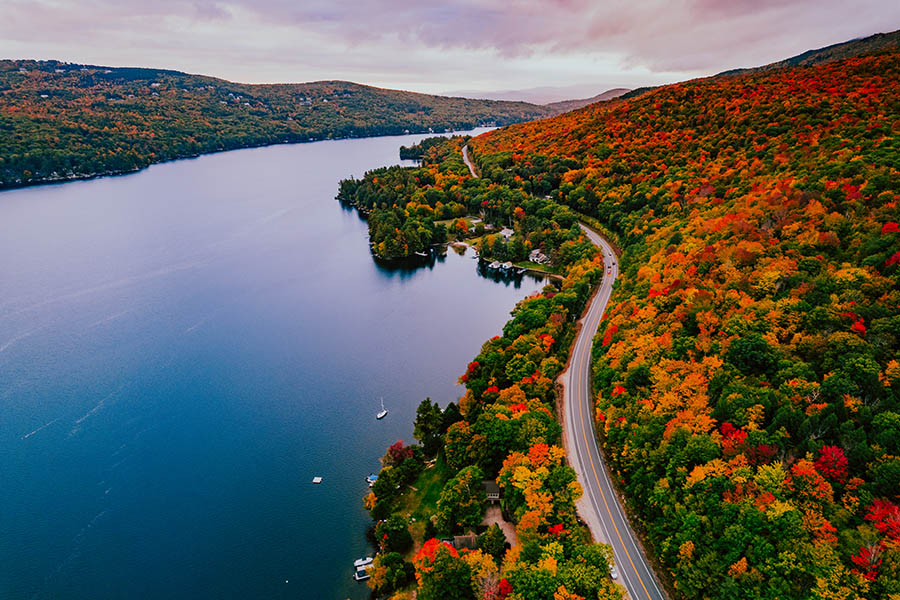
{"x": 419, "y": 501}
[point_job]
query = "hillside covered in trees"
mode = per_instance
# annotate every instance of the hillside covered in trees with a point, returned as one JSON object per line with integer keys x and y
{"x": 61, "y": 121}
{"x": 503, "y": 429}
{"x": 746, "y": 374}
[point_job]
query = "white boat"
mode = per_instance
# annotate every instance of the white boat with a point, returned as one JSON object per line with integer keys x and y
{"x": 383, "y": 412}
{"x": 360, "y": 571}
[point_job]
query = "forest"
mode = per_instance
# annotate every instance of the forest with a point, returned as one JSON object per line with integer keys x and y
{"x": 746, "y": 373}
{"x": 410, "y": 209}
{"x": 64, "y": 121}
{"x": 504, "y": 429}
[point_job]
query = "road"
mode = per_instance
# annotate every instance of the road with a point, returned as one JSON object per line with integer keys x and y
{"x": 465, "y": 153}
{"x": 599, "y": 507}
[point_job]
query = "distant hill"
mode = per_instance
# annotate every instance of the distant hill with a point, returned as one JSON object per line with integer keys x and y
{"x": 567, "y": 105}
{"x": 63, "y": 121}
{"x": 834, "y": 52}
{"x": 867, "y": 45}
{"x": 547, "y": 94}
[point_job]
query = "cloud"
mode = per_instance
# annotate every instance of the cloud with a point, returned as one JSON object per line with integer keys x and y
{"x": 439, "y": 44}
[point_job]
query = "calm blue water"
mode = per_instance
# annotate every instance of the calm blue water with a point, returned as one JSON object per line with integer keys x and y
{"x": 183, "y": 349}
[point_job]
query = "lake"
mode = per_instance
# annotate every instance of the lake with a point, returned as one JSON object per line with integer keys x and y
{"x": 183, "y": 349}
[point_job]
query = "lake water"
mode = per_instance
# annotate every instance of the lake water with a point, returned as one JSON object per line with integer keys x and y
{"x": 183, "y": 349}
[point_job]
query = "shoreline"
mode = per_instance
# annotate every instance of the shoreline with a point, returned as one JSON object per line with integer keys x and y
{"x": 61, "y": 179}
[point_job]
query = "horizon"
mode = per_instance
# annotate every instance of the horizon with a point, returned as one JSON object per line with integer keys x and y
{"x": 447, "y": 49}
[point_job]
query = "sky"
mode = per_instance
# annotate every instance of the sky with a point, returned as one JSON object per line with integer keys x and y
{"x": 584, "y": 46}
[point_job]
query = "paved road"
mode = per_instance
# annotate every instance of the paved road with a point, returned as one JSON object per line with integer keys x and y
{"x": 465, "y": 153}
{"x": 599, "y": 506}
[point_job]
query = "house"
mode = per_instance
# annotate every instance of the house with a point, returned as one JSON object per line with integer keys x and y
{"x": 492, "y": 490}
{"x": 507, "y": 233}
{"x": 536, "y": 256}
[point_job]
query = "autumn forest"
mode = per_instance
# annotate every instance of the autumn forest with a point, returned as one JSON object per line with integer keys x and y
{"x": 63, "y": 121}
{"x": 746, "y": 373}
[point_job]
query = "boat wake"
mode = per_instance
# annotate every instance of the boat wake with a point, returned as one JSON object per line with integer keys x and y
{"x": 76, "y": 552}
{"x": 44, "y": 426}
{"x": 115, "y": 284}
{"x": 21, "y": 336}
{"x": 108, "y": 319}
{"x": 98, "y": 407}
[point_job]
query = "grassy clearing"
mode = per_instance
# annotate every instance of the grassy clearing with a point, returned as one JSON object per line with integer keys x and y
{"x": 446, "y": 222}
{"x": 527, "y": 264}
{"x": 420, "y": 503}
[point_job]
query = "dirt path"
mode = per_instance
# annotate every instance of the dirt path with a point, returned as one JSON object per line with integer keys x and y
{"x": 494, "y": 515}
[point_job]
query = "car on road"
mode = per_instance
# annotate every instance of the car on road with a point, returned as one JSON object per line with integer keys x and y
{"x": 613, "y": 573}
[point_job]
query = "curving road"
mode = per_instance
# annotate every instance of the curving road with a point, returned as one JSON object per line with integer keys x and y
{"x": 465, "y": 153}
{"x": 599, "y": 506}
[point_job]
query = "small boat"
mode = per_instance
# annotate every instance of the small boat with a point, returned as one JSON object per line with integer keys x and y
{"x": 360, "y": 572}
{"x": 383, "y": 412}
{"x": 494, "y": 265}
{"x": 371, "y": 479}
{"x": 422, "y": 254}
{"x": 317, "y": 480}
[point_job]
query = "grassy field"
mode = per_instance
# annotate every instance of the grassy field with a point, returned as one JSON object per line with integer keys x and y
{"x": 419, "y": 500}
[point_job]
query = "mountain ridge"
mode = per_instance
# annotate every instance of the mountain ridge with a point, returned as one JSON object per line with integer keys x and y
{"x": 67, "y": 121}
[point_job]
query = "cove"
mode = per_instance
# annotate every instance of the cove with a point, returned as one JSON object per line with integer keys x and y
{"x": 183, "y": 349}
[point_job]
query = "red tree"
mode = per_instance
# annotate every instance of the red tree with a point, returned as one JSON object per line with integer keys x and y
{"x": 832, "y": 462}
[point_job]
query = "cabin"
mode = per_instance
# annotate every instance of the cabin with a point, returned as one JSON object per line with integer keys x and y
{"x": 465, "y": 542}
{"x": 491, "y": 490}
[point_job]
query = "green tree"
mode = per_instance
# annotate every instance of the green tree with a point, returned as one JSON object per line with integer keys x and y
{"x": 428, "y": 427}
{"x": 463, "y": 446}
{"x": 462, "y": 501}
{"x": 751, "y": 355}
{"x": 390, "y": 573}
{"x": 493, "y": 542}
{"x": 393, "y": 535}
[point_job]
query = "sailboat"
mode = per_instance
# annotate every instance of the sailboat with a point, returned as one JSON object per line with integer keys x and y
{"x": 383, "y": 412}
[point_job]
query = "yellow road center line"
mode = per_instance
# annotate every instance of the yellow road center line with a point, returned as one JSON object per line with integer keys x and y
{"x": 599, "y": 484}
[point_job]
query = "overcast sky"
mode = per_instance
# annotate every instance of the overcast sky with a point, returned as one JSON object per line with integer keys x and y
{"x": 432, "y": 46}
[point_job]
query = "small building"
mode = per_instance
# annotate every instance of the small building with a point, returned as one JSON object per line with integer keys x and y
{"x": 507, "y": 233}
{"x": 536, "y": 256}
{"x": 492, "y": 490}
{"x": 465, "y": 542}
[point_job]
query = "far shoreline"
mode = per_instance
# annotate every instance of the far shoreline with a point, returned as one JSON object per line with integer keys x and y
{"x": 60, "y": 179}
